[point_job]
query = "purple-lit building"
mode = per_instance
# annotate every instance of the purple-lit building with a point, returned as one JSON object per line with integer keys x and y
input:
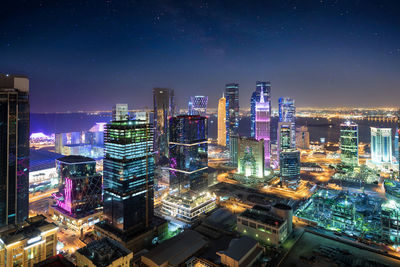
{"x": 262, "y": 127}
{"x": 80, "y": 191}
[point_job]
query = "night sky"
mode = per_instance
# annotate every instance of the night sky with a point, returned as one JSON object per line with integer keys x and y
{"x": 88, "y": 55}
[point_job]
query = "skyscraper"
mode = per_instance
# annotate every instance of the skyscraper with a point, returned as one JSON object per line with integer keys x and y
{"x": 349, "y": 143}
{"x": 284, "y": 136}
{"x": 303, "y": 137}
{"x": 287, "y": 113}
{"x": 14, "y": 149}
{"x": 128, "y": 174}
{"x": 222, "y": 121}
{"x": 120, "y": 112}
{"x": 164, "y": 107}
{"x": 255, "y": 97}
{"x": 263, "y": 121}
{"x": 232, "y": 110}
{"x": 381, "y": 145}
{"x": 397, "y": 140}
{"x": 198, "y": 105}
{"x": 289, "y": 162}
{"x": 251, "y": 157}
{"x": 188, "y": 147}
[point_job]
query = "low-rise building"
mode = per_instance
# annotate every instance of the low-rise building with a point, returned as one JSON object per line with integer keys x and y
{"x": 243, "y": 251}
{"x": 103, "y": 253}
{"x": 31, "y": 242}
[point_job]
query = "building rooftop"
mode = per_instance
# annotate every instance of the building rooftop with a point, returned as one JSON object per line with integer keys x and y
{"x": 42, "y": 159}
{"x": 55, "y": 261}
{"x": 176, "y": 250}
{"x": 239, "y": 247}
{"x": 263, "y": 217}
{"x": 75, "y": 159}
{"x": 104, "y": 252}
{"x": 190, "y": 201}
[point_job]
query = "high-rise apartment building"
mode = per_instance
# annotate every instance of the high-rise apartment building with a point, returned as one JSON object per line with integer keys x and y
{"x": 120, "y": 112}
{"x": 222, "y": 121}
{"x": 128, "y": 174}
{"x": 14, "y": 149}
{"x": 262, "y": 130}
{"x": 287, "y": 113}
{"x": 164, "y": 107}
{"x": 232, "y": 110}
{"x": 255, "y": 98}
{"x": 188, "y": 147}
{"x": 349, "y": 143}
{"x": 381, "y": 145}
{"x": 198, "y": 105}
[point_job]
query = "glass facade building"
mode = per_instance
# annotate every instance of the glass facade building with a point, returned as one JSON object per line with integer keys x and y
{"x": 128, "y": 174}
{"x": 289, "y": 162}
{"x": 14, "y": 149}
{"x": 164, "y": 107}
{"x": 263, "y": 122}
{"x": 80, "y": 191}
{"x": 188, "y": 146}
{"x": 222, "y": 121}
{"x": 381, "y": 145}
{"x": 349, "y": 143}
{"x": 284, "y": 136}
{"x": 232, "y": 110}
{"x": 251, "y": 157}
{"x": 255, "y": 98}
{"x": 287, "y": 113}
{"x": 198, "y": 105}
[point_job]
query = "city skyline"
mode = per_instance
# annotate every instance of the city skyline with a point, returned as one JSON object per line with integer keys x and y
{"x": 343, "y": 50}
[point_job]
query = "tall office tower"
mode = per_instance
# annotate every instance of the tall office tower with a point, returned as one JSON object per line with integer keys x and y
{"x": 284, "y": 136}
{"x": 198, "y": 105}
{"x": 251, "y": 157}
{"x": 349, "y": 143}
{"x": 381, "y": 145}
{"x": 233, "y": 150}
{"x": 128, "y": 174}
{"x": 255, "y": 98}
{"x": 222, "y": 121}
{"x": 303, "y": 137}
{"x": 80, "y": 190}
{"x": 164, "y": 107}
{"x": 289, "y": 162}
{"x": 287, "y": 113}
{"x": 263, "y": 121}
{"x": 188, "y": 148}
{"x": 232, "y": 110}
{"x": 120, "y": 112}
{"x": 14, "y": 149}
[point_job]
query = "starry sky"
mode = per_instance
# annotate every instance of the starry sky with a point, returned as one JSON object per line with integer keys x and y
{"x": 89, "y": 55}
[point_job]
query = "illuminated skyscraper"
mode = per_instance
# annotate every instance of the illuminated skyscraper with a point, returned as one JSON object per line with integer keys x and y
{"x": 128, "y": 174}
{"x": 381, "y": 145}
{"x": 263, "y": 119}
{"x": 251, "y": 157}
{"x": 287, "y": 113}
{"x": 289, "y": 162}
{"x": 14, "y": 149}
{"x": 232, "y": 110}
{"x": 164, "y": 107}
{"x": 255, "y": 97}
{"x": 284, "y": 136}
{"x": 120, "y": 112}
{"x": 188, "y": 148}
{"x": 302, "y": 138}
{"x": 198, "y": 105}
{"x": 221, "y": 121}
{"x": 349, "y": 143}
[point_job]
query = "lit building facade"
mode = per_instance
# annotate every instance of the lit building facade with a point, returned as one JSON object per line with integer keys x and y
{"x": 198, "y": 105}
{"x": 287, "y": 113}
{"x": 232, "y": 110}
{"x": 265, "y": 87}
{"x": 164, "y": 107}
{"x": 251, "y": 157}
{"x": 263, "y": 122}
{"x": 233, "y": 150}
{"x": 381, "y": 145}
{"x": 289, "y": 162}
{"x": 284, "y": 136}
{"x": 302, "y": 138}
{"x": 390, "y": 221}
{"x": 349, "y": 143}
{"x": 188, "y": 146}
{"x": 14, "y": 149}
{"x": 222, "y": 121}
{"x": 30, "y": 242}
{"x": 120, "y": 112}
{"x": 79, "y": 200}
{"x": 128, "y": 174}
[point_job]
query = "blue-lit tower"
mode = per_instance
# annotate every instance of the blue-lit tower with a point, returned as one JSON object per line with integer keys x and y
{"x": 232, "y": 110}
{"x": 255, "y": 98}
{"x": 128, "y": 174}
{"x": 198, "y": 105}
{"x": 188, "y": 148}
{"x": 287, "y": 113}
